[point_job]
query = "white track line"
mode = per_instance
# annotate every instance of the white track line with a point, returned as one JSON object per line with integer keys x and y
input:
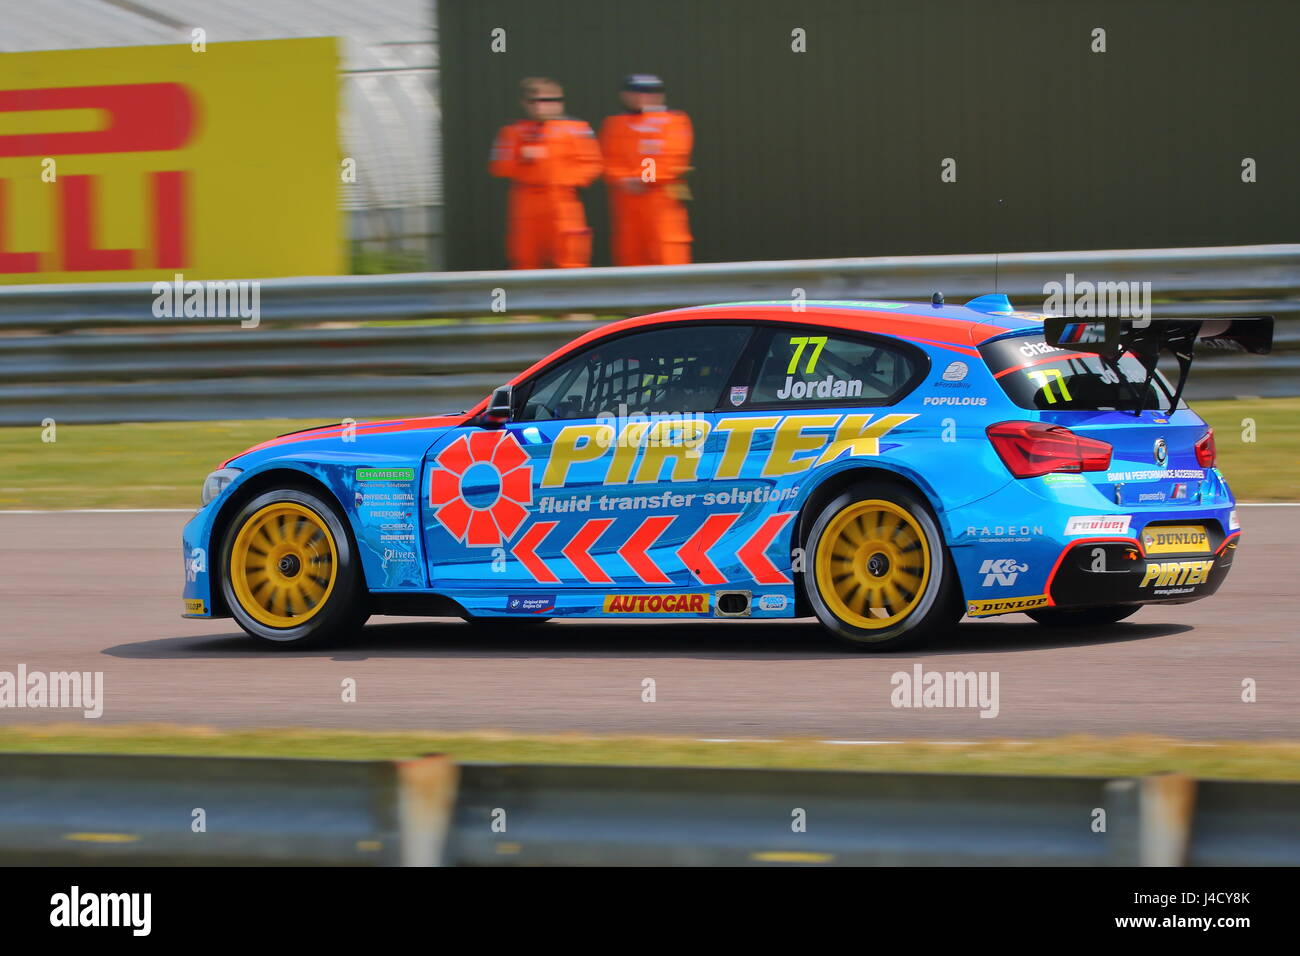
{"x": 855, "y": 743}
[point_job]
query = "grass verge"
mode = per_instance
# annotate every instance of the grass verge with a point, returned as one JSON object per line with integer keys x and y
{"x": 1075, "y": 755}
{"x": 162, "y": 464}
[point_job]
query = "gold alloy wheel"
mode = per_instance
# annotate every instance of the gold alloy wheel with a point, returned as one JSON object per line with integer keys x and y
{"x": 283, "y": 564}
{"x": 872, "y": 564}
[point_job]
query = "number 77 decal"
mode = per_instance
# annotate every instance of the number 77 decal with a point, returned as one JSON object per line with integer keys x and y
{"x": 1043, "y": 379}
{"x": 799, "y": 342}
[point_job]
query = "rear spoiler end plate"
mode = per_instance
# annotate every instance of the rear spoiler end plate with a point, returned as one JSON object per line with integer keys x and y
{"x": 1111, "y": 337}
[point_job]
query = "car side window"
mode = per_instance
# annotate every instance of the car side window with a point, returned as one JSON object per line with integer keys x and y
{"x": 667, "y": 370}
{"x": 807, "y": 365}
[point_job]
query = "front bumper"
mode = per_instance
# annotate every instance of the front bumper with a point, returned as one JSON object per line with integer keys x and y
{"x": 197, "y": 595}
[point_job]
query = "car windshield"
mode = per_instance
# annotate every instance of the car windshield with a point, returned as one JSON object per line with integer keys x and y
{"x": 1037, "y": 375}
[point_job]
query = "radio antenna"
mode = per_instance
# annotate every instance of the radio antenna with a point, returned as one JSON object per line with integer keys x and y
{"x": 996, "y": 288}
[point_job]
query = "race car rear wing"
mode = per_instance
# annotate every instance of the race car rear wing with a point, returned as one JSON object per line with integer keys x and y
{"x": 1111, "y": 337}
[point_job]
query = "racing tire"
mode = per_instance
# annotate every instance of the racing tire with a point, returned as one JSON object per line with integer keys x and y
{"x": 1084, "y": 616}
{"x": 879, "y": 576}
{"x": 289, "y": 570}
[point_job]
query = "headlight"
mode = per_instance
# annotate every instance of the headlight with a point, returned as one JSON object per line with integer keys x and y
{"x": 215, "y": 483}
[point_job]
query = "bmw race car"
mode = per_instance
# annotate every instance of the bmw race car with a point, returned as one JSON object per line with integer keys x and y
{"x": 884, "y": 466}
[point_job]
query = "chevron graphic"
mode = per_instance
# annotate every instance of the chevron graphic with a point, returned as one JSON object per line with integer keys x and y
{"x": 642, "y": 540}
{"x": 694, "y": 553}
{"x": 578, "y": 550}
{"x": 525, "y": 550}
{"x": 753, "y": 553}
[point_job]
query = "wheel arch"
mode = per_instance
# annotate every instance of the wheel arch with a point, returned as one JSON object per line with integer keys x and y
{"x": 831, "y": 487}
{"x": 250, "y": 488}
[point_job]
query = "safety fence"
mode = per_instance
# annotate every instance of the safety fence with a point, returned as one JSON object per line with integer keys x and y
{"x": 361, "y": 346}
{"x": 118, "y": 810}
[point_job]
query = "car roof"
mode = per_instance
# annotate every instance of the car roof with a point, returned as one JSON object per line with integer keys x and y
{"x": 956, "y": 328}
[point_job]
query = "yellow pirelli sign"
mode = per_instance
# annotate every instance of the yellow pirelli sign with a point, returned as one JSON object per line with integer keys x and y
{"x": 138, "y": 163}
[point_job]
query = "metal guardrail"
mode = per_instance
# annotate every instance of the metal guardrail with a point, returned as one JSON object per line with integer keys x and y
{"x": 84, "y": 353}
{"x": 57, "y": 809}
{"x": 115, "y": 810}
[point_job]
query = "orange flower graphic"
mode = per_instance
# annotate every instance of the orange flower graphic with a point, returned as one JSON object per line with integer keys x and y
{"x": 481, "y": 488}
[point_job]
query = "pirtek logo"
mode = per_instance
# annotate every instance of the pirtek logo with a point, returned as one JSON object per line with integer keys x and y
{"x": 138, "y": 117}
{"x": 799, "y": 442}
{"x": 656, "y": 603}
{"x": 1175, "y": 573}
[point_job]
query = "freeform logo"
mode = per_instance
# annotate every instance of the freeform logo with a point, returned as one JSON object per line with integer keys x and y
{"x": 922, "y": 688}
{"x": 75, "y": 908}
{"x": 77, "y": 690}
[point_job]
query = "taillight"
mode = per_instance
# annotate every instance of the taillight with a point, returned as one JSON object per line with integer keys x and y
{"x": 1029, "y": 449}
{"x": 1206, "y": 453}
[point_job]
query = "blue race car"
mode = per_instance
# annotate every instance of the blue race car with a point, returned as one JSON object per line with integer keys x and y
{"x": 884, "y": 466}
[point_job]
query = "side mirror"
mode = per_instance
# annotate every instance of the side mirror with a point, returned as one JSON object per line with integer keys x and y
{"x": 499, "y": 408}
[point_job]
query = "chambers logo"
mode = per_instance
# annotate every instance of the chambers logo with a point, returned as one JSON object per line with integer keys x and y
{"x": 385, "y": 474}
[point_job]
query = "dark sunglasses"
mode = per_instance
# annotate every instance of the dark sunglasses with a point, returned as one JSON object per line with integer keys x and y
{"x": 546, "y": 99}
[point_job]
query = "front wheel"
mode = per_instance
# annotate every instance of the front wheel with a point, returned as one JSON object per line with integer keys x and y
{"x": 879, "y": 575}
{"x": 289, "y": 571}
{"x": 1085, "y": 616}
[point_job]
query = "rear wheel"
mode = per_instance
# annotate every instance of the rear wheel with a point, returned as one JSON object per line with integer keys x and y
{"x": 879, "y": 576}
{"x": 289, "y": 571}
{"x": 1084, "y": 616}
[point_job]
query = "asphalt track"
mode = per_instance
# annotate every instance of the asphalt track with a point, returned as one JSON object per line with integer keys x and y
{"x": 101, "y": 592}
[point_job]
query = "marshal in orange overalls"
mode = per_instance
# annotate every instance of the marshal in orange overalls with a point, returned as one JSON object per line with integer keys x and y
{"x": 650, "y": 225}
{"x": 546, "y": 161}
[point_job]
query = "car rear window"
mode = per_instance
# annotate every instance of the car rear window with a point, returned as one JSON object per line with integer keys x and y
{"x": 1041, "y": 376}
{"x": 807, "y": 365}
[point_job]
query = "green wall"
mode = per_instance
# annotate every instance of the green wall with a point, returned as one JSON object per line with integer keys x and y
{"x": 837, "y": 151}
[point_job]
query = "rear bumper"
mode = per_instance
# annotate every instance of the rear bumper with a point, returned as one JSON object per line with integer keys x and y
{"x": 1041, "y": 543}
{"x": 1105, "y": 571}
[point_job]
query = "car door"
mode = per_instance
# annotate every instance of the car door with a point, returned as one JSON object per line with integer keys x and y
{"x": 801, "y": 398}
{"x": 595, "y": 481}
